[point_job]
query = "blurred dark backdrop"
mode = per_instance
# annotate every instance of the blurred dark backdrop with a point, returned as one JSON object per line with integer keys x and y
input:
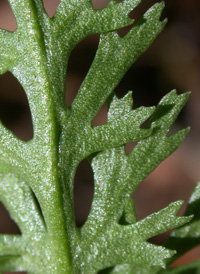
{"x": 173, "y": 61}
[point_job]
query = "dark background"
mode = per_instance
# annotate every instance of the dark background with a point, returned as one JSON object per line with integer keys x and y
{"x": 173, "y": 61}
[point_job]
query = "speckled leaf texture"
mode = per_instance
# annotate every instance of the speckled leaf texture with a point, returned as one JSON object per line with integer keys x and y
{"x": 182, "y": 239}
{"x": 37, "y": 177}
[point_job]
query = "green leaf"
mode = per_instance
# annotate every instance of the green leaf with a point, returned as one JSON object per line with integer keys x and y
{"x": 116, "y": 176}
{"x": 183, "y": 239}
{"x": 83, "y": 20}
{"x": 36, "y": 177}
{"x": 133, "y": 269}
{"x": 10, "y": 263}
{"x": 4, "y": 64}
{"x": 27, "y": 215}
{"x": 20, "y": 202}
{"x": 187, "y": 236}
{"x": 106, "y": 72}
